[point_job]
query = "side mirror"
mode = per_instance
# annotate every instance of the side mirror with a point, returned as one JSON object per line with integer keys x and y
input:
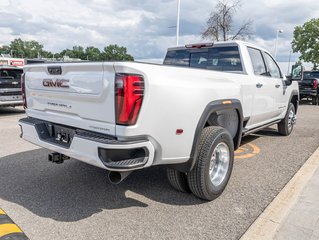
{"x": 288, "y": 80}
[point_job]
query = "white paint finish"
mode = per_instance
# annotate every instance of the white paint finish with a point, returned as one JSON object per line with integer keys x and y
{"x": 175, "y": 98}
{"x": 88, "y": 103}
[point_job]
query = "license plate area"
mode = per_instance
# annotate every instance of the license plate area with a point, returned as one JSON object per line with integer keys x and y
{"x": 11, "y": 98}
{"x": 55, "y": 134}
{"x": 62, "y": 134}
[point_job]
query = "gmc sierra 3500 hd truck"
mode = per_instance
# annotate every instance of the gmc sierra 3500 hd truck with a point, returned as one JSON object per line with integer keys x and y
{"x": 188, "y": 114}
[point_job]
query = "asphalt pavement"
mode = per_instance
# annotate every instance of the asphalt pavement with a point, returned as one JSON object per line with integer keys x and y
{"x": 75, "y": 201}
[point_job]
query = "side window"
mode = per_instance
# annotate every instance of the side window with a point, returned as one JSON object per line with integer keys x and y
{"x": 273, "y": 69}
{"x": 224, "y": 59}
{"x": 257, "y": 61}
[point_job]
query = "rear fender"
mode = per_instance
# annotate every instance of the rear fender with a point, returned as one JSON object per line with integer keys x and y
{"x": 211, "y": 108}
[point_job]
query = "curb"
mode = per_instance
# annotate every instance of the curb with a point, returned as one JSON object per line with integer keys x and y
{"x": 9, "y": 230}
{"x": 267, "y": 224}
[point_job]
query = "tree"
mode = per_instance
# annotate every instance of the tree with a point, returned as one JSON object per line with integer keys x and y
{"x": 109, "y": 53}
{"x": 306, "y": 41}
{"x": 75, "y": 52}
{"x": 25, "y": 49}
{"x": 93, "y": 53}
{"x": 116, "y": 53}
{"x": 219, "y": 26}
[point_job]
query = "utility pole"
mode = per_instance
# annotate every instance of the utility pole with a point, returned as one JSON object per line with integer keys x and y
{"x": 289, "y": 62}
{"x": 177, "y": 24}
{"x": 278, "y": 31}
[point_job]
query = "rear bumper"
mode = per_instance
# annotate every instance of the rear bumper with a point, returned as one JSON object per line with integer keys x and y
{"x": 92, "y": 148}
{"x": 308, "y": 92}
{"x": 11, "y": 103}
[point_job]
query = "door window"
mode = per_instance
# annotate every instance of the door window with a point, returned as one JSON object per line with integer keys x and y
{"x": 273, "y": 69}
{"x": 257, "y": 61}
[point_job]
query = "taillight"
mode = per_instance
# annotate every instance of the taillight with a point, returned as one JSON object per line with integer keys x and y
{"x": 129, "y": 93}
{"x": 315, "y": 83}
{"x": 23, "y": 91}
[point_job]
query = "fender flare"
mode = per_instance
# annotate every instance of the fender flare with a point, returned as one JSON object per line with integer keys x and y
{"x": 212, "y": 107}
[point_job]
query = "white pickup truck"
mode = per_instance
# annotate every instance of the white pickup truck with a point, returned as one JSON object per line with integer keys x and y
{"x": 188, "y": 114}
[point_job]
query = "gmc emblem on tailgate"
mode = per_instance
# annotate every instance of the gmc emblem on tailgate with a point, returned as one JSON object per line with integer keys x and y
{"x": 55, "y": 83}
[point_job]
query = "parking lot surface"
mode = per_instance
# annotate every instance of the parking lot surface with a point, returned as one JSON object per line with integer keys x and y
{"x": 75, "y": 201}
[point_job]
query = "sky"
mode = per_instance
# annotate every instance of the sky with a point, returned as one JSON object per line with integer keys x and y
{"x": 145, "y": 27}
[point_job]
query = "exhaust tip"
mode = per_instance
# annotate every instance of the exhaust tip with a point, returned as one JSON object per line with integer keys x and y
{"x": 117, "y": 177}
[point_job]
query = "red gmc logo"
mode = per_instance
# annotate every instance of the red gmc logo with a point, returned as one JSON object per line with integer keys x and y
{"x": 57, "y": 83}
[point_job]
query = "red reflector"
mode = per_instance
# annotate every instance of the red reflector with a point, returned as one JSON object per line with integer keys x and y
{"x": 129, "y": 93}
{"x": 315, "y": 83}
{"x": 24, "y": 98}
{"x": 179, "y": 131}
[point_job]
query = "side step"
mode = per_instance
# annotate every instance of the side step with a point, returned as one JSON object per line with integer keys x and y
{"x": 249, "y": 131}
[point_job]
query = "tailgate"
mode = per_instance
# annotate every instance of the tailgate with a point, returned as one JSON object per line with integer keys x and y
{"x": 306, "y": 84}
{"x": 10, "y": 84}
{"x": 73, "y": 94}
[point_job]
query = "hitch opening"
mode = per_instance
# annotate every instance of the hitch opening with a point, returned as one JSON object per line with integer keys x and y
{"x": 57, "y": 157}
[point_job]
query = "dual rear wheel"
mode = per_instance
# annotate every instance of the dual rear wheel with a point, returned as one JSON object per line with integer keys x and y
{"x": 215, "y": 159}
{"x": 213, "y": 167}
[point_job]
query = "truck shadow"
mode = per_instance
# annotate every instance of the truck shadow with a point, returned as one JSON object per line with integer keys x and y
{"x": 73, "y": 191}
{"x": 7, "y": 111}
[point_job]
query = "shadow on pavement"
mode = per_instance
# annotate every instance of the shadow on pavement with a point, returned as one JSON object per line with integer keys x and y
{"x": 73, "y": 191}
{"x": 7, "y": 111}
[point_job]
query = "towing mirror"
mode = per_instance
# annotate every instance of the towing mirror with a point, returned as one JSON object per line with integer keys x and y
{"x": 288, "y": 80}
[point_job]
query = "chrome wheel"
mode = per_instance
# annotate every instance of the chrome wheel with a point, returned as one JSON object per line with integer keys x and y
{"x": 291, "y": 119}
{"x": 219, "y": 164}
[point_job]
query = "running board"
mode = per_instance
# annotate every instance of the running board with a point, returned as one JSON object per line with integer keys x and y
{"x": 247, "y": 131}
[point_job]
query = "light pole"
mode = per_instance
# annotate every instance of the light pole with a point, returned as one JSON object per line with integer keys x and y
{"x": 289, "y": 62}
{"x": 11, "y": 52}
{"x": 278, "y": 31}
{"x": 177, "y": 23}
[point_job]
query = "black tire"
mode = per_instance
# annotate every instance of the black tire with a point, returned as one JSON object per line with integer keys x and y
{"x": 284, "y": 127}
{"x": 314, "y": 100}
{"x": 199, "y": 179}
{"x": 178, "y": 180}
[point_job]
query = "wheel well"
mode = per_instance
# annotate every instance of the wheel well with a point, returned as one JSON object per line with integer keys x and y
{"x": 228, "y": 119}
{"x": 294, "y": 101}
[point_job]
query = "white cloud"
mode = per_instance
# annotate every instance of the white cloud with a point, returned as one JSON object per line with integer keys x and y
{"x": 143, "y": 26}
{"x": 4, "y": 3}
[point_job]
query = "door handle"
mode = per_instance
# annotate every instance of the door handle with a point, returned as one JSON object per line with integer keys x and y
{"x": 277, "y": 85}
{"x": 259, "y": 85}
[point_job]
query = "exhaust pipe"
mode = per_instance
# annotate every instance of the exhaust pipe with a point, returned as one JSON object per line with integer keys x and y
{"x": 117, "y": 177}
{"x": 57, "y": 157}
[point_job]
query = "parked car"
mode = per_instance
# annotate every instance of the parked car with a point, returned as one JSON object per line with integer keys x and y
{"x": 188, "y": 114}
{"x": 10, "y": 86}
{"x": 309, "y": 86}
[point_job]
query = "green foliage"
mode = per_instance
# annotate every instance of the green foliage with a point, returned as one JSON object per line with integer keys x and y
{"x": 114, "y": 52}
{"x": 93, "y": 53}
{"x": 24, "y": 49}
{"x": 33, "y": 49}
{"x": 306, "y": 41}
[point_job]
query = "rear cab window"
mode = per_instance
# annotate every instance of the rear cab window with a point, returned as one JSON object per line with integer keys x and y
{"x": 219, "y": 58}
{"x": 7, "y": 73}
{"x": 310, "y": 75}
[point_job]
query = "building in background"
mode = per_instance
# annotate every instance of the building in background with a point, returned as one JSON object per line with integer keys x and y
{"x": 6, "y": 59}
